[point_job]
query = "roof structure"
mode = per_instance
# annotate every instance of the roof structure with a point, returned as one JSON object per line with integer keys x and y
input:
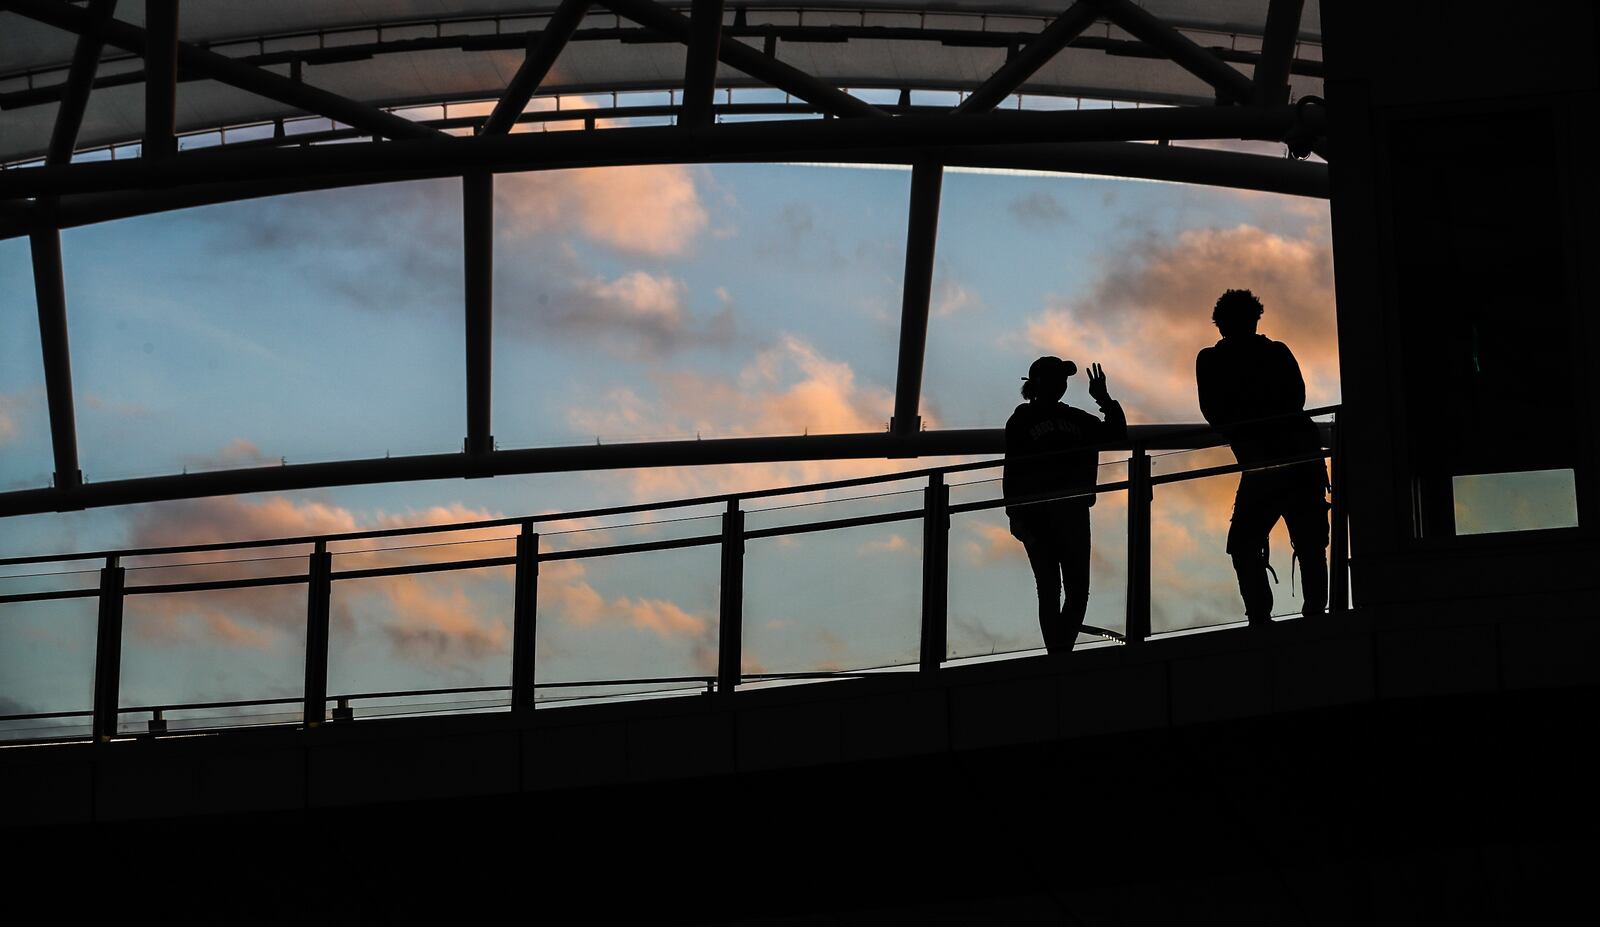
{"x": 418, "y": 54}
{"x": 112, "y": 109}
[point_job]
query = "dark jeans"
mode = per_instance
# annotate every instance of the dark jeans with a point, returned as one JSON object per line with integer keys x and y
{"x": 1295, "y": 494}
{"x": 1056, "y": 537}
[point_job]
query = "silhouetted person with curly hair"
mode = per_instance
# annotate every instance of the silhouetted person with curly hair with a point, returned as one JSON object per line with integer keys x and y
{"x": 1242, "y": 378}
{"x": 1055, "y": 531}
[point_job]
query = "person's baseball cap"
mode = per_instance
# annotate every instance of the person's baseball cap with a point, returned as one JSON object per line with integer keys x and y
{"x": 1051, "y": 369}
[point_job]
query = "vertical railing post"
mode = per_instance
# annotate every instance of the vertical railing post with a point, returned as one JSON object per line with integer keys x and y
{"x": 730, "y": 628}
{"x": 1137, "y": 626}
{"x": 320, "y": 593}
{"x": 524, "y": 624}
{"x": 108, "y": 650}
{"x": 1339, "y": 556}
{"x": 935, "y": 571}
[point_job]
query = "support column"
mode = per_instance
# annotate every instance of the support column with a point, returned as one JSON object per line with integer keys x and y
{"x": 1271, "y": 78}
{"x": 50, "y": 291}
{"x": 477, "y": 215}
{"x": 1137, "y": 626}
{"x": 935, "y": 572}
{"x": 730, "y": 623}
{"x": 524, "y": 623}
{"x": 317, "y": 606}
{"x": 160, "y": 78}
{"x": 922, "y": 232}
{"x": 1339, "y": 555}
{"x": 108, "y": 651}
{"x": 700, "y": 67}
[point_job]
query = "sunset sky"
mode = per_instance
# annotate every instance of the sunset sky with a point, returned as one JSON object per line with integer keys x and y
{"x": 630, "y": 304}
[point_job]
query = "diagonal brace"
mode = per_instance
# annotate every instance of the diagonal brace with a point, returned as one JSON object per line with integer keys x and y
{"x": 225, "y": 70}
{"x": 542, "y": 54}
{"x": 738, "y": 55}
{"x": 1033, "y": 56}
{"x": 75, "y": 98}
{"x": 1231, "y": 86}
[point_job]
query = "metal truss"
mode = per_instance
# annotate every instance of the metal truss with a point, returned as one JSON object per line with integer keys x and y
{"x": 1120, "y": 142}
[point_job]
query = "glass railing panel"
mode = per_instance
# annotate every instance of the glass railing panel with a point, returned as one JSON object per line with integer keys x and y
{"x": 438, "y": 630}
{"x": 993, "y": 606}
{"x": 1192, "y": 580}
{"x": 841, "y": 599}
{"x": 647, "y": 615}
{"x": 629, "y": 528}
{"x": 47, "y": 650}
{"x": 215, "y": 645}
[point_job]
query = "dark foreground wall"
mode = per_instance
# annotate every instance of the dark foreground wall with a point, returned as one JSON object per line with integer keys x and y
{"x": 1330, "y": 773}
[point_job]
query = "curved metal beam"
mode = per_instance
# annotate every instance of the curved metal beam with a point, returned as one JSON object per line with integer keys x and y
{"x": 1111, "y": 159}
{"x": 796, "y": 139}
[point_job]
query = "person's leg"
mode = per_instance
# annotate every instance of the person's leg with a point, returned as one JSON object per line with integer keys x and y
{"x": 1074, "y": 553}
{"x": 1253, "y": 518}
{"x": 1046, "y": 578}
{"x": 1305, "y": 512}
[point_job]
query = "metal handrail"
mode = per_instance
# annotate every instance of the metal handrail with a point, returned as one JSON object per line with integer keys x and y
{"x": 936, "y": 512}
{"x": 1166, "y": 438}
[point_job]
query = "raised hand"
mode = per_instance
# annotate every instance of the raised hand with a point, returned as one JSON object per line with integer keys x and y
{"x": 1097, "y": 384}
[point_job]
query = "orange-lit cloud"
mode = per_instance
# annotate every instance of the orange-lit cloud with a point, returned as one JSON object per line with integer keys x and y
{"x": 893, "y": 544}
{"x": 651, "y": 210}
{"x": 788, "y": 389}
{"x": 1149, "y": 313}
{"x": 435, "y": 618}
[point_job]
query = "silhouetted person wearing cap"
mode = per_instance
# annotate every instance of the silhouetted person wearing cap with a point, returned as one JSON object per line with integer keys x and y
{"x": 1245, "y": 377}
{"x": 1056, "y": 532}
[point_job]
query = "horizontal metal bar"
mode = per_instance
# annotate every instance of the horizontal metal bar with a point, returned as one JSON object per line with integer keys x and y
{"x": 855, "y": 522}
{"x": 409, "y": 693}
{"x": 216, "y": 585}
{"x": 677, "y": 453}
{"x": 47, "y": 596}
{"x": 643, "y": 547}
{"x": 45, "y": 715}
{"x": 1224, "y": 469}
{"x": 200, "y": 706}
{"x": 580, "y": 684}
{"x": 409, "y": 569}
{"x": 1099, "y": 490}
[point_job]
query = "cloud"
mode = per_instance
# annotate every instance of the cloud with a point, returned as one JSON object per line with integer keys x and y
{"x": 236, "y": 453}
{"x": 437, "y": 619}
{"x": 1149, "y": 313}
{"x": 114, "y": 407}
{"x": 432, "y": 618}
{"x": 893, "y": 544}
{"x": 651, "y": 211}
{"x": 950, "y": 297}
{"x": 1038, "y": 210}
{"x": 8, "y": 419}
{"x": 637, "y": 314}
{"x": 790, "y": 388}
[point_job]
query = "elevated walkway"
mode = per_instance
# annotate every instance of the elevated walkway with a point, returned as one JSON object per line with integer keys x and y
{"x": 1289, "y": 774}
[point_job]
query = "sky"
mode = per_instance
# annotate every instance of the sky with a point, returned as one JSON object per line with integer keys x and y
{"x": 631, "y": 304}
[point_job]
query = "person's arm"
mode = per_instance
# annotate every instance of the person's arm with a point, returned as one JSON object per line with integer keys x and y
{"x": 1206, "y": 388}
{"x": 1294, "y": 382}
{"x": 1115, "y": 426}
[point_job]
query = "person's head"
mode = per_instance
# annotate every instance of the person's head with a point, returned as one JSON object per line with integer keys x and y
{"x": 1236, "y": 313}
{"x": 1047, "y": 379}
